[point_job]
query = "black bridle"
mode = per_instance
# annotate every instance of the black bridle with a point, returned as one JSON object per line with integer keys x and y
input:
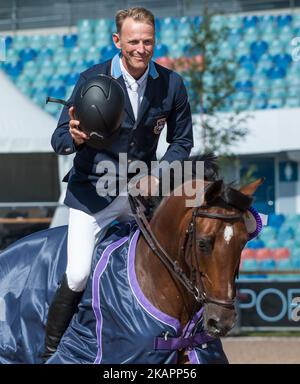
{"x": 197, "y": 290}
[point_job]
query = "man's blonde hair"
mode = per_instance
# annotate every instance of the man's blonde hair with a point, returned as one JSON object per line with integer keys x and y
{"x": 137, "y": 14}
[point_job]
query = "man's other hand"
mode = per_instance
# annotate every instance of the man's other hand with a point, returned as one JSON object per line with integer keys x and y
{"x": 78, "y": 136}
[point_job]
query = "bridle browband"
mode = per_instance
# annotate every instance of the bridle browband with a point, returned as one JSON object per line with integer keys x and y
{"x": 190, "y": 240}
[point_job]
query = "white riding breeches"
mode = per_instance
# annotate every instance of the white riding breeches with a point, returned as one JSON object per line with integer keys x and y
{"x": 84, "y": 232}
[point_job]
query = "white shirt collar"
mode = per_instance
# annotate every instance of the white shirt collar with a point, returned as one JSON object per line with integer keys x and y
{"x": 131, "y": 80}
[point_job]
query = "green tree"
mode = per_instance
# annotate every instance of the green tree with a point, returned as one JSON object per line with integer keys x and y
{"x": 211, "y": 76}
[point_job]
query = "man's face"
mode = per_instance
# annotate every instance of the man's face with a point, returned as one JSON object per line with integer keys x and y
{"x": 136, "y": 42}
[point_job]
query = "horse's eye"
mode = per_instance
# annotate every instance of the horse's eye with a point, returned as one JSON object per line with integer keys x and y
{"x": 205, "y": 245}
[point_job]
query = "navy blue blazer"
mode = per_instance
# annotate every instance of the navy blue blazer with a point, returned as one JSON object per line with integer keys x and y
{"x": 165, "y": 98}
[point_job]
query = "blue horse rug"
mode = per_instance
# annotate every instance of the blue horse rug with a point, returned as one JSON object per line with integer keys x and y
{"x": 115, "y": 323}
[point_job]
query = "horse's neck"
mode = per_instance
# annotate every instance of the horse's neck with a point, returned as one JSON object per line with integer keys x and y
{"x": 156, "y": 282}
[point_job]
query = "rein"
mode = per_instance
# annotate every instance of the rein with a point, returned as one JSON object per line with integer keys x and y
{"x": 190, "y": 239}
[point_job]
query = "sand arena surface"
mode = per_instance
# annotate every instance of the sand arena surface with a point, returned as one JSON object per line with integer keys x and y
{"x": 262, "y": 350}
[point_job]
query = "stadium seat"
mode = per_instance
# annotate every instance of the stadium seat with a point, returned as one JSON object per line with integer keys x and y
{"x": 31, "y": 69}
{"x": 20, "y": 42}
{"x": 268, "y": 233}
{"x": 53, "y": 109}
{"x": 283, "y": 20}
{"x": 103, "y": 25}
{"x": 85, "y": 25}
{"x": 289, "y": 243}
{"x": 277, "y": 93}
{"x": 57, "y": 92}
{"x": 183, "y": 29}
{"x": 244, "y": 86}
{"x": 8, "y": 42}
{"x": 13, "y": 68}
{"x": 217, "y": 22}
{"x": 276, "y": 102}
{"x": 272, "y": 243}
{"x": 266, "y": 264}
{"x": 248, "y": 62}
{"x": 250, "y": 21}
{"x": 249, "y": 265}
{"x": 45, "y": 53}
{"x": 37, "y": 41}
{"x": 258, "y": 103}
{"x": 53, "y": 41}
{"x": 281, "y": 253}
{"x": 295, "y": 263}
{"x": 70, "y": 41}
{"x": 197, "y": 20}
{"x": 283, "y": 264}
{"x": 242, "y": 75}
{"x": 241, "y": 49}
{"x": 39, "y": 96}
{"x": 276, "y": 73}
{"x": 234, "y": 22}
{"x": 234, "y": 36}
{"x": 275, "y": 47}
{"x": 264, "y": 253}
{"x": 285, "y": 231}
{"x": 108, "y": 52}
{"x": 295, "y": 254}
{"x": 282, "y": 60}
{"x": 266, "y": 21}
{"x": 166, "y": 62}
{"x": 255, "y": 244}
{"x": 160, "y": 50}
{"x": 286, "y": 35}
{"x": 41, "y": 80}
{"x": 225, "y": 50}
{"x": 269, "y": 35}
{"x": 63, "y": 70}
{"x": 276, "y": 220}
{"x": 27, "y": 54}
{"x": 80, "y": 66}
{"x": 261, "y": 83}
{"x": 251, "y": 35}
{"x": 258, "y": 48}
{"x": 12, "y": 55}
{"x": 86, "y": 40}
{"x": 293, "y": 92}
{"x": 296, "y": 21}
{"x": 292, "y": 102}
{"x": 248, "y": 253}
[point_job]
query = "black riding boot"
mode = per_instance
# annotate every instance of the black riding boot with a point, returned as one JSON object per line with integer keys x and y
{"x": 60, "y": 313}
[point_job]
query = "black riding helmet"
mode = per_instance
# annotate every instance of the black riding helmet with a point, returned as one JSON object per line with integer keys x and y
{"x": 98, "y": 105}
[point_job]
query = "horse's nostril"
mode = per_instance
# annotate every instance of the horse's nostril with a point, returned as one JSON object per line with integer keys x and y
{"x": 213, "y": 325}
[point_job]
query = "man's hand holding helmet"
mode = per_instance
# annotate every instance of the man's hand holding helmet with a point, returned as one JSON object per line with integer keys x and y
{"x": 78, "y": 136}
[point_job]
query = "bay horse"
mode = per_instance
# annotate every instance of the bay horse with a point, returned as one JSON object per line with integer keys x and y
{"x": 183, "y": 260}
{"x": 189, "y": 258}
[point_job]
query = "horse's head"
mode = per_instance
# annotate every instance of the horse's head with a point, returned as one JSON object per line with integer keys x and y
{"x": 198, "y": 250}
{"x": 218, "y": 238}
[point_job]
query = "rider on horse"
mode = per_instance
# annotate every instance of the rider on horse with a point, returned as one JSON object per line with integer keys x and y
{"x": 154, "y": 96}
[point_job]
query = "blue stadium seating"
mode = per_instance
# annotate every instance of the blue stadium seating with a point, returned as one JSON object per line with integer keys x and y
{"x": 70, "y": 41}
{"x": 257, "y": 46}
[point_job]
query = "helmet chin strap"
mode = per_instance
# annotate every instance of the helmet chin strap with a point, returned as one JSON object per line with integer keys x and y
{"x": 55, "y": 100}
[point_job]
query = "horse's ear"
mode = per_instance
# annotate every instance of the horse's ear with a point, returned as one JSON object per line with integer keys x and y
{"x": 213, "y": 190}
{"x": 249, "y": 189}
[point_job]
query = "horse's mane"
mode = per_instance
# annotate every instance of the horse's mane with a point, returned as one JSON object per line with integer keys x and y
{"x": 211, "y": 173}
{"x": 228, "y": 197}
